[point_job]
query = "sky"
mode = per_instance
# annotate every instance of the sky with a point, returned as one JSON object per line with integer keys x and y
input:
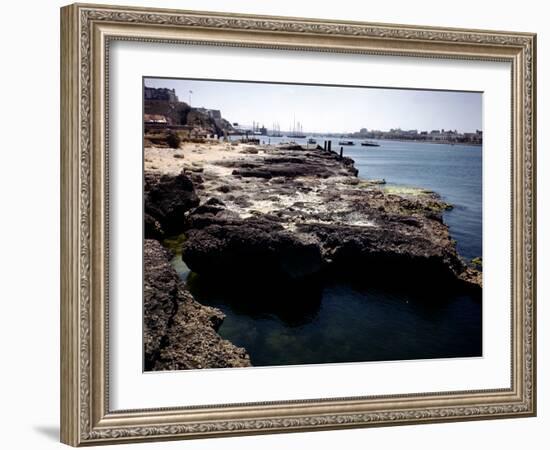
{"x": 331, "y": 109}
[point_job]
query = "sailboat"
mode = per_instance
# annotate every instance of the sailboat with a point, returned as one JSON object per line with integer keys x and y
{"x": 276, "y": 130}
{"x": 297, "y": 131}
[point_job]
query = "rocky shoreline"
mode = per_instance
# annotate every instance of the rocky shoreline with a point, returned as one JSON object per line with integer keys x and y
{"x": 279, "y": 214}
{"x": 179, "y": 332}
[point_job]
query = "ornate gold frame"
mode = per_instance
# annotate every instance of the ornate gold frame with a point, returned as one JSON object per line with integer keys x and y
{"x": 86, "y": 31}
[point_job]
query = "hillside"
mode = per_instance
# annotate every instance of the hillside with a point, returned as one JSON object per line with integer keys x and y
{"x": 164, "y": 102}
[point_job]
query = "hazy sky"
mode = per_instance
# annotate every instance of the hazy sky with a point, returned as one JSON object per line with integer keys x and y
{"x": 331, "y": 109}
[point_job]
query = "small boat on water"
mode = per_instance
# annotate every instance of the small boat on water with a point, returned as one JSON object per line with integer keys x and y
{"x": 345, "y": 143}
{"x": 369, "y": 144}
{"x": 311, "y": 141}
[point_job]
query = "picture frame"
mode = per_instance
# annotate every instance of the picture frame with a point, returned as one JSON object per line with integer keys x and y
{"x": 87, "y": 32}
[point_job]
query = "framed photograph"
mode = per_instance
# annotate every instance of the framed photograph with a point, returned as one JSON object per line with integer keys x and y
{"x": 276, "y": 224}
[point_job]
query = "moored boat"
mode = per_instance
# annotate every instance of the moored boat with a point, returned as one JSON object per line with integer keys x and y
{"x": 346, "y": 143}
{"x": 369, "y": 144}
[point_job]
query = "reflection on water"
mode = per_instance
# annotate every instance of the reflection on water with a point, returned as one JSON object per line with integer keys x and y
{"x": 343, "y": 322}
{"x": 292, "y": 305}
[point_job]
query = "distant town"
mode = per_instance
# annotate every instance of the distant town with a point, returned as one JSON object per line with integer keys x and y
{"x": 163, "y": 110}
{"x": 441, "y": 136}
{"x": 396, "y": 134}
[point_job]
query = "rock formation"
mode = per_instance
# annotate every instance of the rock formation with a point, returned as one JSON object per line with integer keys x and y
{"x": 166, "y": 200}
{"x": 288, "y": 214}
{"x": 180, "y": 333}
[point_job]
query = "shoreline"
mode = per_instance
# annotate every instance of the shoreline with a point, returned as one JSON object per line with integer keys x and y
{"x": 407, "y": 189}
{"x": 286, "y": 215}
{"x": 416, "y": 141}
{"x": 250, "y": 180}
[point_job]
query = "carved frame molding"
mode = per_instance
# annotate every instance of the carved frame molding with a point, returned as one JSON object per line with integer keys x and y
{"x": 86, "y": 32}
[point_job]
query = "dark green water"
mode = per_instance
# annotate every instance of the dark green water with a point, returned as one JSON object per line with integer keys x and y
{"x": 345, "y": 322}
{"x": 337, "y": 321}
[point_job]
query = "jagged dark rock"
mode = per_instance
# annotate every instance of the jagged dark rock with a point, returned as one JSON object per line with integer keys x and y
{"x": 258, "y": 247}
{"x": 152, "y": 227}
{"x": 180, "y": 333}
{"x": 398, "y": 252}
{"x": 167, "y": 199}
